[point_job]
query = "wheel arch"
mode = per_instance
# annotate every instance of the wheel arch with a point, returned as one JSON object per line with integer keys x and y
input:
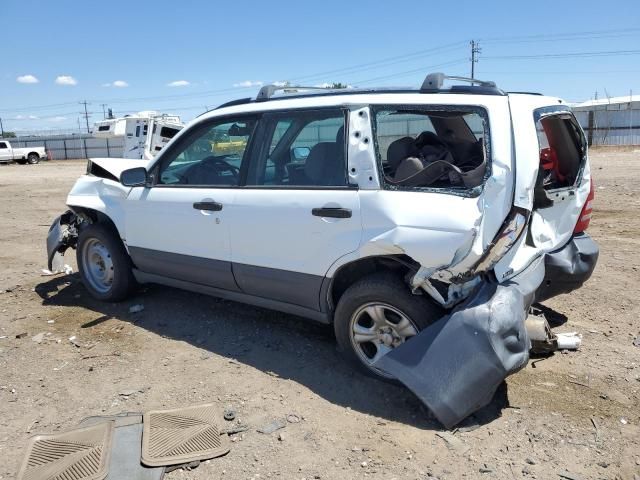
{"x": 346, "y": 275}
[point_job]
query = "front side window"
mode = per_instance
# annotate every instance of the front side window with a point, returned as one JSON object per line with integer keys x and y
{"x": 432, "y": 146}
{"x": 209, "y": 155}
{"x": 301, "y": 149}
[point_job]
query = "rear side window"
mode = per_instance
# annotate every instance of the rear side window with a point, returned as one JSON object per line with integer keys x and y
{"x": 562, "y": 150}
{"x": 303, "y": 148}
{"x": 432, "y": 147}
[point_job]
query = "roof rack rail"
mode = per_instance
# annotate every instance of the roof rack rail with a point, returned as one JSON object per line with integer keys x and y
{"x": 434, "y": 81}
{"x": 231, "y": 103}
{"x": 268, "y": 91}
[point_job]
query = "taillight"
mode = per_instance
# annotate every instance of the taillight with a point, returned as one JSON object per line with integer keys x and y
{"x": 585, "y": 214}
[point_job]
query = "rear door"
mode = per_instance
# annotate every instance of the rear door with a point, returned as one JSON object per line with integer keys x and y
{"x": 297, "y": 214}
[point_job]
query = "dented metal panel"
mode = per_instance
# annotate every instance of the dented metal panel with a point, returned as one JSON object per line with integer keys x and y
{"x": 455, "y": 365}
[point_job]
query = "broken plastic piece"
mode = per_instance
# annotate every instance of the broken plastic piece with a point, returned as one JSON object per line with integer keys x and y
{"x": 455, "y": 365}
{"x": 569, "y": 341}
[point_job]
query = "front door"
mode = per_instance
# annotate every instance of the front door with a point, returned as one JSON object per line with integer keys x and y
{"x": 296, "y": 214}
{"x": 178, "y": 227}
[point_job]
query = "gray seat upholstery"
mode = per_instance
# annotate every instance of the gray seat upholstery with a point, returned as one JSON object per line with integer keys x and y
{"x": 325, "y": 164}
{"x": 398, "y": 150}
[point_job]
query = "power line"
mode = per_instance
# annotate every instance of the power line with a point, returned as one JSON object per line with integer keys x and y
{"x": 395, "y": 60}
{"x": 564, "y": 55}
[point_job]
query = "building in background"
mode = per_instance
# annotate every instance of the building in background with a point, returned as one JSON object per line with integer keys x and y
{"x": 610, "y": 121}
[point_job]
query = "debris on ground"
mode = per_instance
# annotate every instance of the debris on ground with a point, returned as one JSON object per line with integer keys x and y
{"x": 136, "y": 308}
{"x": 272, "y": 426}
{"x": 636, "y": 341}
{"x": 453, "y": 442}
{"x": 21, "y": 335}
{"x": 38, "y": 338}
{"x": 66, "y": 269}
{"x": 569, "y": 341}
{"x": 74, "y": 341}
{"x": 229, "y": 414}
{"x": 292, "y": 418}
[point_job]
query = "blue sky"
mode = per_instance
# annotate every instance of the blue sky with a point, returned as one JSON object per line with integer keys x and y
{"x": 129, "y": 54}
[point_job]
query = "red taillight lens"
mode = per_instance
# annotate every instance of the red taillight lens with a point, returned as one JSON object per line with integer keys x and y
{"x": 585, "y": 214}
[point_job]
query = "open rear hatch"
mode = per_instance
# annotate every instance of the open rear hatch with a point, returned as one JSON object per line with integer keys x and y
{"x": 563, "y": 186}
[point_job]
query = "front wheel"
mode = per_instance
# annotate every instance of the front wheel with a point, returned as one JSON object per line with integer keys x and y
{"x": 377, "y": 314}
{"x": 103, "y": 262}
{"x": 33, "y": 158}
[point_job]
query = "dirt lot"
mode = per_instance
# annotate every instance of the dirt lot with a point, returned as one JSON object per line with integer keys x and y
{"x": 576, "y": 414}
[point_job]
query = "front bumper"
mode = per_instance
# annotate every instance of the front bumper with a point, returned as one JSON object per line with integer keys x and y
{"x": 567, "y": 268}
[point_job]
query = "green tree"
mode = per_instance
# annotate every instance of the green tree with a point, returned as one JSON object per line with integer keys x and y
{"x": 9, "y": 135}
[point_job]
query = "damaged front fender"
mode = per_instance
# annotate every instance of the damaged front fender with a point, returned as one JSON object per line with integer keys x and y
{"x": 455, "y": 365}
{"x": 63, "y": 234}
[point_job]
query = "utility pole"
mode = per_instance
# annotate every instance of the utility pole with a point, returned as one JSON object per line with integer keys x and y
{"x": 104, "y": 113}
{"x": 1, "y": 129}
{"x": 86, "y": 114}
{"x": 475, "y": 51}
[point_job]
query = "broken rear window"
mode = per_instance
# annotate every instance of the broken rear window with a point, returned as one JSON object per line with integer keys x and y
{"x": 432, "y": 147}
{"x": 562, "y": 149}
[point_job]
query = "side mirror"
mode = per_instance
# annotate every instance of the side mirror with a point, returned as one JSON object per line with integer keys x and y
{"x": 134, "y": 177}
{"x": 300, "y": 153}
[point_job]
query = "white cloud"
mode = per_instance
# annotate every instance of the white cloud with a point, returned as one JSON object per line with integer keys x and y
{"x": 178, "y": 83}
{"x": 27, "y": 79}
{"x": 57, "y": 119}
{"x": 66, "y": 80}
{"x": 249, "y": 83}
{"x": 25, "y": 117}
{"x": 323, "y": 85}
{"x": 117, "y": 84}
{"x": 280, "y": 83}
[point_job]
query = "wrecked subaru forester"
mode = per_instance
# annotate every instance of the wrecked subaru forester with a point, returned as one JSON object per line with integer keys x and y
{"x": 421, "y": 223}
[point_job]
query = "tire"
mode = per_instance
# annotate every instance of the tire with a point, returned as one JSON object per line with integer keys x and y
{"x": 21, "y": 162}
{"x": 379, "y": 293}
{"x": 33, "y": 158}
{"x": 104, "y": 265}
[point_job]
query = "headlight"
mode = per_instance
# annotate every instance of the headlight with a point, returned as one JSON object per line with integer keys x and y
{"x": 508, "y": 235}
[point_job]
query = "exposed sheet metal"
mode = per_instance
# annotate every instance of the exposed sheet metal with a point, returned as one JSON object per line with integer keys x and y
{"x": 455, "y": 365}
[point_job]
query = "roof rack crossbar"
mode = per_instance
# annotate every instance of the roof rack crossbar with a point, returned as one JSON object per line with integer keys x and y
{"x": 434, "y": 81}
{"x": 268, "y": 91}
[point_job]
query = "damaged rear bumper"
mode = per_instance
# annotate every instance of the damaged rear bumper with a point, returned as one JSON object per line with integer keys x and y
{"x": 569, "y": 267}
{"x": 455, "y": 365}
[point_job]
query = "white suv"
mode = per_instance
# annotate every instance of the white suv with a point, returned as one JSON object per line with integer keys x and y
{"x": 386, "y": 212}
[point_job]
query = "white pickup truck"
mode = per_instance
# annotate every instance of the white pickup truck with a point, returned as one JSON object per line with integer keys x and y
{"x": 29, "y": 154}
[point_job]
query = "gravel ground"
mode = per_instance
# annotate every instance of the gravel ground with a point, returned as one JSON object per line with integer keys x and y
{"x": 576, "y": 415}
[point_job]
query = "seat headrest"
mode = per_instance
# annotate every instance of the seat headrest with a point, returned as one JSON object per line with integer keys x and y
{"x": 320, "y": 161}
{"x": 399, "y": 150}
{"x": 340, "y": 136}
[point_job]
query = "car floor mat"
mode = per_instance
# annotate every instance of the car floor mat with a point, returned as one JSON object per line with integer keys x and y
{"x": 127, "y": 448}
{"x": 80, "y": 454}
{"x": 182, "y": 435}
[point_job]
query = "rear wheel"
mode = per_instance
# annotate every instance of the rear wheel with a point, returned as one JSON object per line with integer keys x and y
{"x": 376, "y": 315}
{"x": 103, "y": 262}
{"x": 33, "y": 158}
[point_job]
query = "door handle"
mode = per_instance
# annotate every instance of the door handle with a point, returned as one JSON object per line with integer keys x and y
{"x": 333, "y": 212}
{"x": 210, "y": 206}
